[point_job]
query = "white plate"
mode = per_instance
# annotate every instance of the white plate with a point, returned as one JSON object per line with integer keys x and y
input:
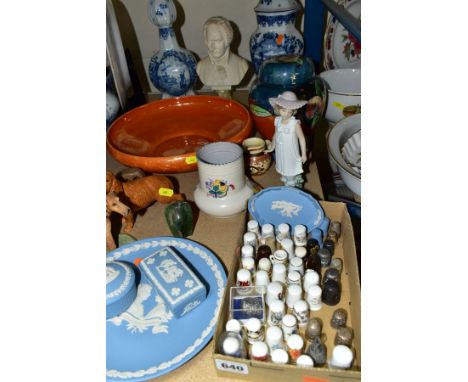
{"x": 341, "y": 49}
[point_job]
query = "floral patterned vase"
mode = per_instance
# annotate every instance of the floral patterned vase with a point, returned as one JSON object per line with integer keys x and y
{"x": 276, "y": 33}
{"x": 172, "y": 70}
{"x": 287, "y": 72}
{"x": 223, "y": 190}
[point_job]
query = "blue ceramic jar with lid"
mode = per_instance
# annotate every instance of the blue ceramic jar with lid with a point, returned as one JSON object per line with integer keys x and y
{"x": 279, "y": 74}
{"x": 120, "y": 288}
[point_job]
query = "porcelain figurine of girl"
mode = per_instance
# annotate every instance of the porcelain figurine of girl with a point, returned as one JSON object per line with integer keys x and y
{"x": 288, "y": 141}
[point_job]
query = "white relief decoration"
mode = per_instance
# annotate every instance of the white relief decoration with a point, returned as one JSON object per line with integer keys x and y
{"x": 188, "y": 283}
{"x": 150, "y": 261}
{"x": 169, "y": 271}
{"x": 123, "y": 286}
{"x": 286, "y": 208}
{"x": 112, "y": 373}
{"x": 175, "y": 291}
{"x": 138, "y": 321}
{"x": 190, "y": 306}
{"x": 111, "y": 274}
{"x": 319, "y": 217}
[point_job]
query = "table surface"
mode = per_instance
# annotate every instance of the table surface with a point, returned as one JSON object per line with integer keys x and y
{"x": 220, "y": 235}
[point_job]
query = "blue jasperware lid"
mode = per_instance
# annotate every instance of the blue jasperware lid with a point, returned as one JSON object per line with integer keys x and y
{"x": 120, "y": 288}
{"x": 269, "y": 6}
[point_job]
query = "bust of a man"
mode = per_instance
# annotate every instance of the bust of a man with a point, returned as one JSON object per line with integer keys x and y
{"x": 222, "y": 69}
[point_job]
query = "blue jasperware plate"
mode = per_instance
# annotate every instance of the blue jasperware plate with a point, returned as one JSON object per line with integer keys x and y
{"x": 276, "y": 205}
{"x": 147, "y": 341}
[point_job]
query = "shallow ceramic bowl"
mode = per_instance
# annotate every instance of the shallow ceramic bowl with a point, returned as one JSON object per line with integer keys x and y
{"x": 338, "y": 136}
{"x": 162, "y": 136}
{"x": 344, "y": 93}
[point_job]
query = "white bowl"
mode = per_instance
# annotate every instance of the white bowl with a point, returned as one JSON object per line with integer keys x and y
{"x": 337, "y": 138}
{"x": 344, "y": 93}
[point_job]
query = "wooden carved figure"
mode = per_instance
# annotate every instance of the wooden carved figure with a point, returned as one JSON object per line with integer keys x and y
{"x": 113, "y": 204}
{"x": 140, "y": 193}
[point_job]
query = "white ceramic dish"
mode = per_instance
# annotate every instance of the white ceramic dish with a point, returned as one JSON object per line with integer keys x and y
{"x": 341, "y": 48}
{"x": 344, "y": 93}
{"x": 338, "y": 136}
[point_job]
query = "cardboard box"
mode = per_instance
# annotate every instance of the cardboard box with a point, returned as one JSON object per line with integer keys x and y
{"x": 247, "y": 369}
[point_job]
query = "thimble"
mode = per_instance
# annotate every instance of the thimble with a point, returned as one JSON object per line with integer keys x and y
{"x": 331, "y": 274}
{"x": 282, "y": 232}
{"x": 295, "y": 345}
{"x": 248, "y": 263}
{"x": 274, "y": 292}
{"x": 288, "y": 246}
{"x": 310, "y": 278}
{"x": 264, "y": 265}
{"x": 261, "y": 278}
{"x": 330, "y": 245}
{"x": 263, "y": 251}
{"x": 331, "y": 292}
{"x": 274, "y": 338}
{"x": 336, "y": 227}
{"x": 313, "y": 329}
{"x": 254, "y": 330}
{"x": 259, "y": 351}
{"x": 247, "y": 251}
{"x": 336, "y": 263}
{"x": 233, "y": 325}
{"x": 339, "y": 318}
{"x": 250, "y": 239}
{"x": 325, "y": 257}
{"x": 296, "y": 264}
{"x": 300, "y": 235}
{"x": 279, "y": 356}
{"x": 301, "y": 312}
{"x": 276, "y": 312}
{"x": 244, "y": 278}
{"x": 305, "y": 360}
{"x": 301, "y": 253}
{"x": 333, "y": 236}
{"x": 288, "y": 325}
{"x": 294, "y": 295}
{"x": 343, "y": 336}
{"x": 294, "y": 277}
{"x": 253, "y": 226}
{"x": 279, "y": 273}
{"x": 342, "y": 357}
{"x": 317, "y": 351}
{"x": 314, "y": 294}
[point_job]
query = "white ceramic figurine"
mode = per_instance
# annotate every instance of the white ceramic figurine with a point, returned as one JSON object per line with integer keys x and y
{"x": 221, "y": 69}
{"x": 288, "y": 141}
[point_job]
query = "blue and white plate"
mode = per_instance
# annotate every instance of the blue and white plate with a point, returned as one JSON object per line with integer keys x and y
{"x": 276, "y": 205}
{"x": 147, "y": 341}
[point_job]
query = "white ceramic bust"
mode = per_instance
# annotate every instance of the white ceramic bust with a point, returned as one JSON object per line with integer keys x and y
{"x": 221, "y": 69}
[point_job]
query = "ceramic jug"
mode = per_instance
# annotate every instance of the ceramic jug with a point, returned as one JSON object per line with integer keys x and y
{"x": 276, "y": 33}
{"x": 222, "y": 190}
{"x": 172, "y": 70}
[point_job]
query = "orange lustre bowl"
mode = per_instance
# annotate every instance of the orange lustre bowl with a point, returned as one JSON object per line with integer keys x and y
{"x": 162, "y": 136}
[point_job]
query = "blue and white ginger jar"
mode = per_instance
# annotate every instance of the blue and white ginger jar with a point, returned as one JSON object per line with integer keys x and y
{"x": 172, "y": 70}
{"x": 276, "y": 34}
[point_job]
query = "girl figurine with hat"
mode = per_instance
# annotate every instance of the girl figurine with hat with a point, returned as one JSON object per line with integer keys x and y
{"x": 288, "y": 140}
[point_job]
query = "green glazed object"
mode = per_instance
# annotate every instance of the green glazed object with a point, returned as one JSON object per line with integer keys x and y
{"x": 179, "y": 218}
{"x": 125, "y": 238}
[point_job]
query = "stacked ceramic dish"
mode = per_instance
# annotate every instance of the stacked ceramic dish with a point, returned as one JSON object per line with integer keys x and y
{"x": 344, "y": 147}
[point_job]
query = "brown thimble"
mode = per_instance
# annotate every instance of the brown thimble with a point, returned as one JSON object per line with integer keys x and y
{"x": 339, "y": 318}
{"x": 344, "y": 336}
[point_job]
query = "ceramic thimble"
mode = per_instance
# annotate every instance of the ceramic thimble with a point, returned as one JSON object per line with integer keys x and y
{"x": 259, "y": 351}
{"x": 264, "y": 265}
{"x": 279, "y": 273}
{"x": 294, "y": 294}
{"x": 274, "y": 338}
{"x": 310, "y": 278}
{"x": 295, "y": 345}
{"x": 296, "y": 264}
{"x": 305, "y": 360}
{"x": 276, "y": 312}
{"x": 247, "y": 251}
{"x": 314, "y": 297}
{"x": 294, "y": 277}
{"x": 288, "y": 325}
{"x": 248, "y": 263}
{"x": 254, "y": 330}
{"x": 342, "y": 357}
{"x": 279, "y": 356}
{"x": 250, "y": 239}
{"x": 300, "y": 252}
{"x": 244, "y": 278}
{"x": 261, "y": 278}
{"x": 288, "y": 246}
{"x": 233, "y": 325}
{"x": 300, "y": 235}
{"x": 282, "y": 232}
{"x": 274, "y": 292}
{"x": 301, "y": 312}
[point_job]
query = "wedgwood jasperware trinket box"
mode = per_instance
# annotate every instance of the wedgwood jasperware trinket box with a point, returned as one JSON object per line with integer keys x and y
{"x": 120, "y": 288}
{"x": 178, "y": 285}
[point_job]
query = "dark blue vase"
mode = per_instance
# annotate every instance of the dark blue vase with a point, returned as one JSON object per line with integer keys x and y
{"x": 287, "y": 72}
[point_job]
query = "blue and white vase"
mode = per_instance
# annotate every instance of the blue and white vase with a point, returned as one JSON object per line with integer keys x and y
{"x": 173, "y": 69}
{"x": 276, "y": 34}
